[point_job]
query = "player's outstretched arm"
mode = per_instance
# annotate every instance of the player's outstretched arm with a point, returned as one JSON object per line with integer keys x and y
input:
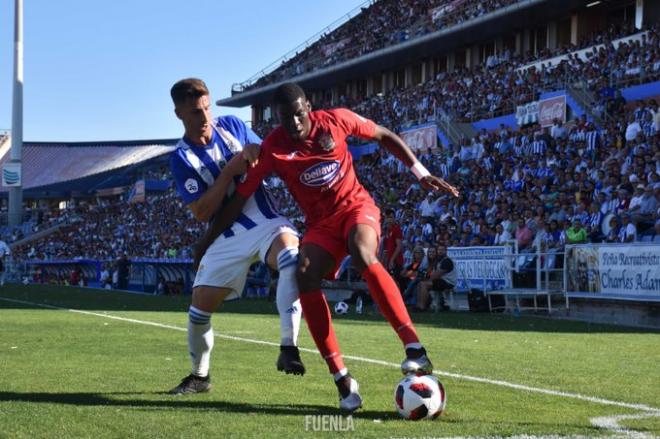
{"x": 222, "y": 220}
{"x": 395, "y": 144}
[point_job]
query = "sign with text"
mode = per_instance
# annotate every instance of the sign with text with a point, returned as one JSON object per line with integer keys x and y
{"x": 484, "y": 268}
{"x": 551, "y": 109}
{"x": 544, "y": 112}
{"x": 629, "y": 271}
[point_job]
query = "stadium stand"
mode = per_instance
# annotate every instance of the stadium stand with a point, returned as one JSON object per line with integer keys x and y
{"x": 600, "y": 170}
{"x": 381, "y": 24}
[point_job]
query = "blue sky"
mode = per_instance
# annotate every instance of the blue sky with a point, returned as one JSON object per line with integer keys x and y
{"x": 102, "y": 70}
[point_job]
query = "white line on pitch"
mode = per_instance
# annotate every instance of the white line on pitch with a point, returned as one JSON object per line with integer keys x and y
{"x": 593, "y": 399}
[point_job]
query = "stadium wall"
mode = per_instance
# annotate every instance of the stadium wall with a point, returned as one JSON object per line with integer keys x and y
{"x": 643, "y": 91}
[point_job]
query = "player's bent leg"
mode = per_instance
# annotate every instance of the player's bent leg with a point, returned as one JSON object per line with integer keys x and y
{"x": 200, "y": 338}
{"x": 314, "y": 264}
{"x": 362, "y": 245}
{"x": 283, "y": 256}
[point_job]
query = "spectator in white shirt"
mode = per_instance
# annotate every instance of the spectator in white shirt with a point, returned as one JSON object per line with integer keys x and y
{"x": 427, "y": 206}
{"x": 633, "y": 129}
{"x": 628, "y": 232}
{"x": 636, "y": 199}
{"x": 502, "y": 236}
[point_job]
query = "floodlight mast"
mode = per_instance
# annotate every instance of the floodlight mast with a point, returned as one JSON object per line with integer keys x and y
{"x": 15, "y": 211}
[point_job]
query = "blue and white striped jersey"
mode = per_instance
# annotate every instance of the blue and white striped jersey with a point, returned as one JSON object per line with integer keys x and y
{"x": 196, "y": 167}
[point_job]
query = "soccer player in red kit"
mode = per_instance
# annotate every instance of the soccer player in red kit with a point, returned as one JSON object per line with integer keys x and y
{"x": 309, "y": 153}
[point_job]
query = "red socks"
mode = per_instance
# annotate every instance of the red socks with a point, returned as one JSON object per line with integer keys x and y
{"x": 386, "y": 294}
{"x": 317, "y": 315}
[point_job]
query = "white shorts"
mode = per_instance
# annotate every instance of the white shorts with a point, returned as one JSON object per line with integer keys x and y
{"x": 227, "y": 261}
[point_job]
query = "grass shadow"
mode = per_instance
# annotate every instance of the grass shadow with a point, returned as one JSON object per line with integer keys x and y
{"x": 115, "y": 399}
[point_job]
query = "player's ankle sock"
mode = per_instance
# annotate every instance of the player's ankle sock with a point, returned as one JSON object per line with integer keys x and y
{"x": 200, "y": 340}
{"x": 288, "y": 304}
{"x": 386, "y": 294}
{"x": 414, "y": 352}
{"x": 317, "y": 316}
{"x": 343, "y": 383}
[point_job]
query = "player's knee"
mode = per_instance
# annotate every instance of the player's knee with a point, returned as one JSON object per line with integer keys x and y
{"x": 362, "y": 256}
{"x": 208, "y": 298}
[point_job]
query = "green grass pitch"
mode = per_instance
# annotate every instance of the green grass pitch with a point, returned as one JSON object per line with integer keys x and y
{"x": 86, "y": 374}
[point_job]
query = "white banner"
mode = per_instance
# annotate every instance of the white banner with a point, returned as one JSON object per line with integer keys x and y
{"x": 544, "y": 111}
{"x": 421, "y": 137}
{"x": 484, "y": 268}
{"x": 527, "y": 113}
{"x": 614, "y": 270}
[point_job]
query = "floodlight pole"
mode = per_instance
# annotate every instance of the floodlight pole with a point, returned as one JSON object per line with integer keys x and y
{"x": 16, "y": 192}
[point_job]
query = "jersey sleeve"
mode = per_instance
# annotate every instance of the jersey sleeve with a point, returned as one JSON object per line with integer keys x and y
{"x": 254, "y": 176}
{"x": 354, "y": 124}
{"x": 189, "y": 184}
{"x": 251, "y": 136}
{"x": 245, "y": 134}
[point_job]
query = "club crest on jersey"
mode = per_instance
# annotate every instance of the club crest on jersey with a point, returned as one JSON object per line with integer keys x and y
{"x": 191, "y": 185}
{"x": 326, "y": 141}
{"x": 320, "y": 174}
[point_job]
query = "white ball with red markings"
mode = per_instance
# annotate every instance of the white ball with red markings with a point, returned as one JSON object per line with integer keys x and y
{"x": 420, "y": 397}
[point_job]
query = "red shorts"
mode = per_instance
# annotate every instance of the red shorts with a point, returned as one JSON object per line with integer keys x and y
{"x": 331, "y": 233}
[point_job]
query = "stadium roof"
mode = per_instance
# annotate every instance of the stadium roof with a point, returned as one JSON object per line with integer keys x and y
{"x": 526, "y": 13}
{"x": 51, "y": 163}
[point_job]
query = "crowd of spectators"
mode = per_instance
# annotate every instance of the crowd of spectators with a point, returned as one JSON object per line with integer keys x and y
{"x": 386, "y": 23}
{"x": 486, "y": 91}
{"x": 496, "y": 87}
{"x": 161, "y": 227}
{"x": 381, "y": 24}
{"x": 563, "y": 184}
{"x": 550, "y": 186}
{"x": 569, "y": 183}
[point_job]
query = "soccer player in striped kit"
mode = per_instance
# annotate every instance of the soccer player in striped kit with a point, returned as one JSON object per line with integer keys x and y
{"x": 206, "y": 163}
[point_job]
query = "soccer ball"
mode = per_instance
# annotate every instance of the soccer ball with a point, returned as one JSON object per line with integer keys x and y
{"x": 419, "y": 397}
{"x": 341, "y": 308}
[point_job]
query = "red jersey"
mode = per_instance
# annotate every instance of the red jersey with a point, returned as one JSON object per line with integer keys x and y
{"x": 319, "y": 170}
{"x": 393, "y": 235}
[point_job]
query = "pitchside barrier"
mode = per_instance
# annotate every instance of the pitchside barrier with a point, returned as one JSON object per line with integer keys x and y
{"x": 144, "y": 273}
{"x": 507, "y": 276}
{"x": 177, "y": 275}
{"x": 628, "y": 272}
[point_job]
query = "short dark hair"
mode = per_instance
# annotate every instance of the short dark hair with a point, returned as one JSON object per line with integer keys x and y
{"x": 288, "y": 93}
{"x": 188, "y": 88}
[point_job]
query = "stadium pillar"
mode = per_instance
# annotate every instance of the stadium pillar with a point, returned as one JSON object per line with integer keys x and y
{"x": 527, "y": 40}
{"x": 574, "y": 28}
{"x": 552, "y": 35}
{"x": 407, "y": 76}
{"x": 256, "y": 115}
{"x": 335, "y": 95}
{"x": 16, "y": 191}
{"x": 370, "y": 86}
{"x": 451, "y": 62}
{"x": 639, "y": 14}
